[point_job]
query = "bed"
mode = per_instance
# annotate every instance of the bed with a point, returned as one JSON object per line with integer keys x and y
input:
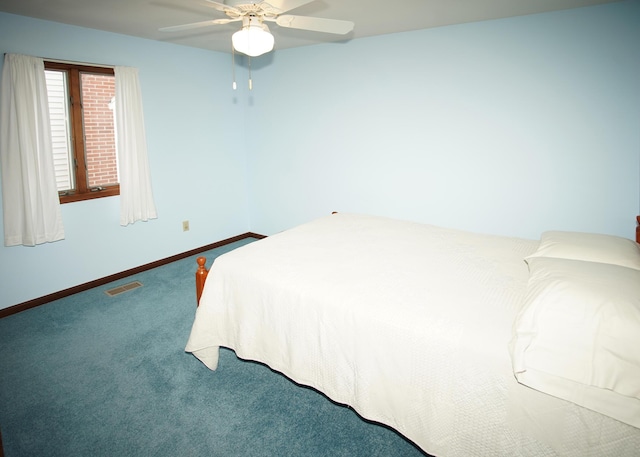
{"x": 467, "y": 344}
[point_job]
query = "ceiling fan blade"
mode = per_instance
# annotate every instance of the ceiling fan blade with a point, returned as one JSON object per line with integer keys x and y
{"x": 195, "y": 25}
{"x": 222, "y": 7}
{"x": 286, "y": 5}
{"x": 317, "y": 24}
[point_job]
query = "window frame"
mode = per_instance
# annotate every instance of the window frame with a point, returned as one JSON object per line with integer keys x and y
{"x": 82, "y": 190}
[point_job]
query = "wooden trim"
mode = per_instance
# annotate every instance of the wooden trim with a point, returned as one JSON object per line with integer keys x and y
{"x": 83, "y": 67}
{"x": 106, "y": 191}
{"x": 107, "y": 279}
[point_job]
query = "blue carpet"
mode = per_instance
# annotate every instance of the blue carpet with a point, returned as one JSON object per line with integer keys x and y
{"x": 93, "y": 375}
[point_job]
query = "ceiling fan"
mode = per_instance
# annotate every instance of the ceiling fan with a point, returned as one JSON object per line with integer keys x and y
{"x": 254, "y": 38}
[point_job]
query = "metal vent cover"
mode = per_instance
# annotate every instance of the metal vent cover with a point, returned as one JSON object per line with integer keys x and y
{"x": 122, "y": 289}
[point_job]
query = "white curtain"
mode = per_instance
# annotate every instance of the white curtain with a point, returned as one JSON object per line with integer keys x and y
{"x": 136, "y": 198}
{"x": 30, "y": 199}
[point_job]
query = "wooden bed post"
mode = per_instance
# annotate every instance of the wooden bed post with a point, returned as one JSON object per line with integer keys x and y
{"x": 201, "y": 277}
{"x": 637, "y": 229}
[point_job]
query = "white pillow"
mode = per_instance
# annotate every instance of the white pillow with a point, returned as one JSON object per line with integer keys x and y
{"x": 578, "y": 335}
{"x": 591, "y": 247}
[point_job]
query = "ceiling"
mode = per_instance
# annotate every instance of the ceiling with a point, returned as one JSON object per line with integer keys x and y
{"x": 142, "y": 18}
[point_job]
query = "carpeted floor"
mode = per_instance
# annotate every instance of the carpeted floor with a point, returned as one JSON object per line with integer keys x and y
{"x": 93, "y": 375}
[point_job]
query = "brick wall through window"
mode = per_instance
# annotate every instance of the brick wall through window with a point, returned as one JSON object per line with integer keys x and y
{"x": 98, "y": 95}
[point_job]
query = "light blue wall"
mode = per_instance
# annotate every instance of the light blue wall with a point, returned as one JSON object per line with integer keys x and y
{"x": 197, "y": 164}
{"x": 511, "y": 126}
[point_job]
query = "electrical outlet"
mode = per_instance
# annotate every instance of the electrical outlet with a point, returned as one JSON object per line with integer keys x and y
{"x": 185, "y": 226}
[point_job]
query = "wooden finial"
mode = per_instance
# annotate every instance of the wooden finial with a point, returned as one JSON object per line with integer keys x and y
{"x": 201, "y": 277}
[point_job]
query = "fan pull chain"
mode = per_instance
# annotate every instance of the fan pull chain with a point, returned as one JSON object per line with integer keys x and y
{"x": 233, "y": 67}
{"x": 250, "y": 80}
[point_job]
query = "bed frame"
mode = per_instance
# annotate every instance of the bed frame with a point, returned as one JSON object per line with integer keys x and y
{"x": 202, "y": 271}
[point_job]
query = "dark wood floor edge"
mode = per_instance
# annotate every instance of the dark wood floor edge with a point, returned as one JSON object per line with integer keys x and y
{"x": 123, "y": 274}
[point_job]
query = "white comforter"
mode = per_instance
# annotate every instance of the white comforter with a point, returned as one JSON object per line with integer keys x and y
{"x": 407, "y": 323}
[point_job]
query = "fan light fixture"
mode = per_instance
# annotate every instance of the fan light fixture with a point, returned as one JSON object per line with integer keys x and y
{"x": 254, "y": 39}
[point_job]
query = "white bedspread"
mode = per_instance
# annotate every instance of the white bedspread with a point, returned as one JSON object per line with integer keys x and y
{"x": 407, "y": 323}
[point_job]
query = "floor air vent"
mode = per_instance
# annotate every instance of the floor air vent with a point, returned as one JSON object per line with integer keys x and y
{"x": 122, "y": 289}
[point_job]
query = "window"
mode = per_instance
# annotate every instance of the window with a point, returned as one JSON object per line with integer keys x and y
{"x": 82, "y": 114}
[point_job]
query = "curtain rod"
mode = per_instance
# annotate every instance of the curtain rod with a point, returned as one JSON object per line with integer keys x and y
{"x": 70, "y": 62}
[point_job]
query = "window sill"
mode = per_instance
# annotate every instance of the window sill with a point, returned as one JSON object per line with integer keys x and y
{"x": 107, "y": 192}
